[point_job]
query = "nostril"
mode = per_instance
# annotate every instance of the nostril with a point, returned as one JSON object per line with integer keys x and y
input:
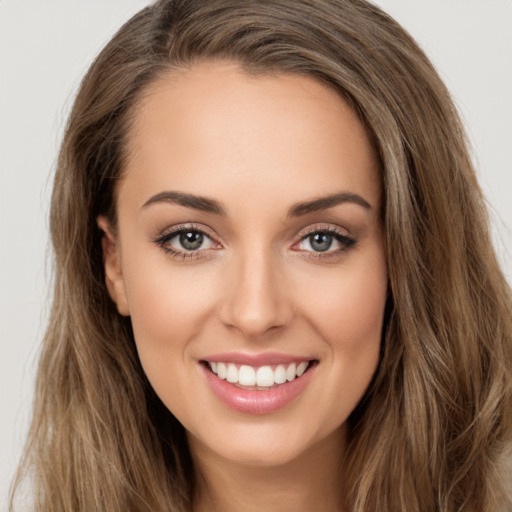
{"x": 254, "y": 304}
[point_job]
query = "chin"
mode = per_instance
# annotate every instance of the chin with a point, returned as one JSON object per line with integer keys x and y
{"x": 265, "y": 445}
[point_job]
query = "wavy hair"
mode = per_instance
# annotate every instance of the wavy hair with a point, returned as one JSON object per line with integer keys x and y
{"x": 433, "y": 431}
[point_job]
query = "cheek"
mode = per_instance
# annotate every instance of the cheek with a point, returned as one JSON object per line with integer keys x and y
{"x": 348, "y": 308}
{"x": 168, "y": 308}
{"x": 349, "y": 317}
{"x": 348, "y": 311}
{"x": 163, "y": 309}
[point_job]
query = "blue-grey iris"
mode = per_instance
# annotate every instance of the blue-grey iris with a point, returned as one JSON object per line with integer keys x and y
{"x": 320, "y": 242}
{"x": 191, "y": 240}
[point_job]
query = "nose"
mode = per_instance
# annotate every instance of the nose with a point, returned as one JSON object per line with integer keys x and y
{"x": 255, "y": 298}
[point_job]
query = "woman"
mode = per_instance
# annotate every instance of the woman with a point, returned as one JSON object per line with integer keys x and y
{"x": 274, "y": 282}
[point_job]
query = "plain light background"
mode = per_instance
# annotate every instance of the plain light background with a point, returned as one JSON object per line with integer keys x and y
{"x": 45, "y": 48}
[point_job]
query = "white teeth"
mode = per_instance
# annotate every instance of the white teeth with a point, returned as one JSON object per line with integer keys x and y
{"x": 221, "y": 370}
{"x": 232, "y": 373}
{"x": 301, "y": 368}
{"x": 262, "y": 377}
{"x": 265, "y": 377}
{"x": 291, "y": 371}
{"x": 280, "y": 375}
{"x": 247, "y": 376}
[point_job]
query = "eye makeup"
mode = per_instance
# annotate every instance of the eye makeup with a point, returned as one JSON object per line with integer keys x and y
{"x": 324, "y": 241}
{"x": 187, "y": 242}
{"x": 192, "y": 241}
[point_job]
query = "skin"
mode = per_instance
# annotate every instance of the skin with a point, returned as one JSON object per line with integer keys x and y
{"x": 257, "y": 145}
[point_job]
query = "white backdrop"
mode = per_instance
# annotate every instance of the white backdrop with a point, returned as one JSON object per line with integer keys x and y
{"x": 46, "y": 46}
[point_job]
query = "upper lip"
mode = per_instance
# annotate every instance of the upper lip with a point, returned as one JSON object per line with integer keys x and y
{"x": 261, "y": 359}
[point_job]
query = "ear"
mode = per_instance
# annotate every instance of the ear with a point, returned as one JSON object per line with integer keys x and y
{"x": 112, "y": 264}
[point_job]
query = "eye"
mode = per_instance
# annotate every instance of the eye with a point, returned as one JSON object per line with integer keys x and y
{"x": 189, "y": 240}
{"x": 186, "y": 242}
{"x": 328, "y": 241}
{"x": 319, "y": 242}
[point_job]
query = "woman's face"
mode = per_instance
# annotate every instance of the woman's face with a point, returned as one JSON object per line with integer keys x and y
{"x": 250, "y": 258}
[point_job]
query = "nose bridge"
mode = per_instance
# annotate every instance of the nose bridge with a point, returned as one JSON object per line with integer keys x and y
{"x": 255, "y": 300}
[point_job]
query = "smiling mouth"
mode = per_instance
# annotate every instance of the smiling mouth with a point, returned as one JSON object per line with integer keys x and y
{"x": 259, "y": 378}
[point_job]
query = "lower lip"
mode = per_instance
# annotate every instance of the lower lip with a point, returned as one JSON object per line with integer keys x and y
{"x": 254, "y": 401}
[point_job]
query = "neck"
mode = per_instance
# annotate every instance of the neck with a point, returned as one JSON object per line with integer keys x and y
{"x": 312, "y": 481}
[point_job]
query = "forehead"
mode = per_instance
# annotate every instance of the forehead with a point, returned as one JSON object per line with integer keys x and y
{"x": 196, "y": 129}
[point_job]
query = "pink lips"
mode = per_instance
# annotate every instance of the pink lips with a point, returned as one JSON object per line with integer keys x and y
{"x": 256, "y": 401}
{"x": 267, "y": 358}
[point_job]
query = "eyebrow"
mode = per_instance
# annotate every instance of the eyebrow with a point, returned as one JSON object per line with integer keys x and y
{"x": 208, "y": 205}
{"x": 324, "y": 203}
{"x": 203, "y": 204}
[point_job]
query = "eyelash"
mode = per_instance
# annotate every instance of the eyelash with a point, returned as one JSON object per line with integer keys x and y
{"x": 184, "y": 255}
{"x": 165, "y": 238}
{"x": 340, "y": 236}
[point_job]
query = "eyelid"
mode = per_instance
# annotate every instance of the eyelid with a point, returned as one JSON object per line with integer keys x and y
{"x": 341, "y": 235}
{"x": 186, "y": 226}
{"x": 323, "y": 227}
{"x": 167, "y": 234}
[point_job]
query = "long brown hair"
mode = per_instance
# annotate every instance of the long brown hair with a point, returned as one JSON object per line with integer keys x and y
{"x": 433, "y": 430}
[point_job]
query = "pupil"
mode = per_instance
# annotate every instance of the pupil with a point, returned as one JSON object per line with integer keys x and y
{"x": 321, "y": 242}
{"x": 191, "y": 240}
